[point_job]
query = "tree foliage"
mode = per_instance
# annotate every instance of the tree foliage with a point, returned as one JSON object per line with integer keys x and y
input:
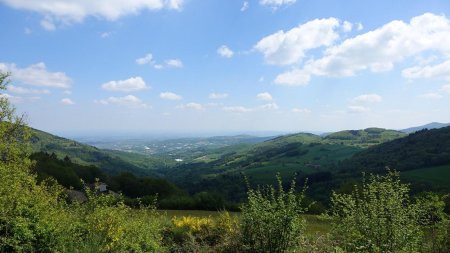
{"x": 271, "y": 220}
{"x": 377, "y": 217}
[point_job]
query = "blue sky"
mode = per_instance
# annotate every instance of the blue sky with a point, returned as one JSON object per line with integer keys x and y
{"x": 192, "y": 66}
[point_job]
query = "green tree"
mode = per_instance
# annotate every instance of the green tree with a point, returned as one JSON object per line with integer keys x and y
{"x": 271, "y": 221}
{"x": 378, "y": 216}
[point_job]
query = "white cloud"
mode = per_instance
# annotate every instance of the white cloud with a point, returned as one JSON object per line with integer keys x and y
{"x": 438, "y": 70}
{"x": 225, "y": 51}
{"x": 192, "y": 105}
{"x": 300, "y": 110}
{"x": 218, "y": 95}
{"x": 129, "y": 85}
{"x": 357, "y": 109}
{"x": 170, "y": 63}
{"x": 347, "y": 26}
{"x": 294, "y": 77}
{"x": 245, "y": 6}
{"x": 431, "y": 95}
{"x": 237, "y": 109}
{"x": 105, "y": 35}
{"x": 37, "y": 75}
{"x": 446, "y": 88}
{"x": 170, "y": 96}
{"x": 283, "y": 48}
{"x": 264, "y": 96}
{"x": 367, "y": 98}
{"x": 359, "y": 26}
{"x": 276, "y": 3}
{"x": 27, "y": 31}
{"x": 66, "y": 12}
{"x": 174, "y": 63}
{"x": 48, "y": 24}
{"x": 129, "y": 101}
{"x": 147, "y": 59}
{"x": 22, "y": 90}
{"x": 270, "y": 106}
{"x": 67, "y": 101}
{"x": 379, "y": 50}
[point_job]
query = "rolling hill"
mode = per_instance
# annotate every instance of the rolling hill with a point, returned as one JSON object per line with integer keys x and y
{"x": 109, "y": 161}
{"x": 363, "y": 138}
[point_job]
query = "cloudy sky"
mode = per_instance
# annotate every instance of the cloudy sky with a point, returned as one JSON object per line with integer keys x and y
{"x": 226, "y": 66}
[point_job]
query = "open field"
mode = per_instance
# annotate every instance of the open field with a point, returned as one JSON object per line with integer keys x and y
{"x": 435, "y": 175}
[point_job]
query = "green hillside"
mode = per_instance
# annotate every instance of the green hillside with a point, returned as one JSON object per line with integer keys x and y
{"x": 300, "y": 154}
{"x": 420, "y": 150}
{"x": 109, "y": 161}
{"x": 364, "y": 138}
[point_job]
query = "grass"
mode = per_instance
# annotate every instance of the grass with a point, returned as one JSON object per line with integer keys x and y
{"x": 435, "y": 175}
{"x": 315, "y": 224}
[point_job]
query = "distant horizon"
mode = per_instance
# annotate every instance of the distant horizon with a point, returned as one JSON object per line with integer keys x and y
{"x": 164, "y": 135}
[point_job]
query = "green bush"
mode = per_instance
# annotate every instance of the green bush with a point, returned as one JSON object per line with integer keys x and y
{"x": 377, "y": 217}
{"x": 271, "y": 221}
{"x": 435, "y": 222}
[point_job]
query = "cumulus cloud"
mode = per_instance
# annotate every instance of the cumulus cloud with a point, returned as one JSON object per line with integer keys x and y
{"x": 283, "y": 48}
{"x": 170, "y": 63}
{"x": 147, "y": 59}
{"x": 128, "y": 101}
{"x": 225, "y": 51}
{"x": 438, "y": 70}
{"x": 72, "y": 11}
{"x": 170, "y": 96}
{"x": 174, "y": 63}
{"x": 379, "y": 50}
{"x": 431, "y": 95}
{"x": 128, "y": 85}
{"x": 22, "y": 90}
{"x": 357, "y": 109}
{"x": 218, "y": 95}
{"x": 192, "y": 105}
{"x": 245, "y": 6}
{"x": 37, "y": 75}
{"x": 300, "y": 110}
{"x": 367, "y": 98}
{"x": 67, "y": 101}
{"x": 237, "y": 109}
{"x": 276, "y": 3}
{"x": 264, "y": 96}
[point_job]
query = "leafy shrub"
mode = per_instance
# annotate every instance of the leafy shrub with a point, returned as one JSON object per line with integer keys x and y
{"x": 271, "y": 220}
{"x": 435, "y": 221}
{"x": 378, "y": 217}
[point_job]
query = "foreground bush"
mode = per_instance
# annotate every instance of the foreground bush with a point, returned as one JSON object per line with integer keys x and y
{"x": 377, "y": 217}
{"x": 271, "y": 221}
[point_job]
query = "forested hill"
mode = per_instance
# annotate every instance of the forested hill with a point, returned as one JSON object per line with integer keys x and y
{"x": 422, "y": 149}
{"x": 110, "y": 162}
{"x": 363, "y": 138}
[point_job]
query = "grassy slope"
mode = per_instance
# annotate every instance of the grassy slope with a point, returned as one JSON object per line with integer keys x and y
{"x": 111, "y": 162}
{"x": 301, "y": 153}
{"x": 438, "y": 175}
